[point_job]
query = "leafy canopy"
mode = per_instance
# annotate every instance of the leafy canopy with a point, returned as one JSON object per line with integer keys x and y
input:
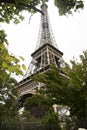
{"x": 9, "y": 65}
{"x": 12, "y": 10}
{"x": 68, "y": 91}
{"x": 68, "y": 6}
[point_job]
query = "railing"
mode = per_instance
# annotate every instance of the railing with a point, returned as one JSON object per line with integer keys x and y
{"x": 38, "y": 126}
{"x": 27, "y": 126}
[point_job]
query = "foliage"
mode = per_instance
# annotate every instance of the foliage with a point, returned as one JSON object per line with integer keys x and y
{"x": 9, "y": 65}
{"x": 55, "y": 83}
{"x": 27, "y": 117}
{"x": 37, "y": 100}
{"x": 67, "y": 6}
{"x": 49, "y": 118}
{"x": 12, "y": 10}
{"x": 69, "y": 91}
{"x": 78, "y": 86}
{"x": 38, "y": 105}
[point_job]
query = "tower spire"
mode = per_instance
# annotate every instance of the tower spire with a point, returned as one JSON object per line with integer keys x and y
{"x": 45, "y": 33}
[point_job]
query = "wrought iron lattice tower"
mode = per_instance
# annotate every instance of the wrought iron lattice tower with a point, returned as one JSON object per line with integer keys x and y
{"x": 45, "y": 54}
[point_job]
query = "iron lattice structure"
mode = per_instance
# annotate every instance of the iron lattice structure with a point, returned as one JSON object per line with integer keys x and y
{"x": 45, "y": 37}
{"x": 46, "y": 53}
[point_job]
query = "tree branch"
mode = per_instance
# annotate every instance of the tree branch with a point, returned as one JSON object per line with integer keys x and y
{"x": 29, "y": 6}
{"x": 32, "y": 7}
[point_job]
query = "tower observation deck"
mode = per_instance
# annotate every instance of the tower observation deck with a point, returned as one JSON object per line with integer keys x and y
{"x": 46, "y": 53}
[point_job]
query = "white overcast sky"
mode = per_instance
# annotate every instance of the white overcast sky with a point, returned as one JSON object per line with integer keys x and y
{"x": 70, "y": 33}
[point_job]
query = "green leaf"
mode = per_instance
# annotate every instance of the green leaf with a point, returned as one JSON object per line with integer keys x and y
{"x": 10, "y": 68}
{"x": 21, "y": 58}
{"x": 2, "y": 46}
{"x": 23, "y": 67}
{"x": 9, "y": 58}
{"x": 3, "y": 75}
{"x": 4, "y": 64}
{"x": 18, "y": 72}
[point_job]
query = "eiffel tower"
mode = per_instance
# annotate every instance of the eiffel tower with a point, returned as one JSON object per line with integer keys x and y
{"x": 46, "y": 53}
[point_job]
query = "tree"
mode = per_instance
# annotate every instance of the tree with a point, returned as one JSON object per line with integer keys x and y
{"x": 78, "y": 90}
{"x": 38, "y": 105}
{"x": 9, "y": 65}
{"x": 69, "y": 91}
{"x": 12, "y": 9}
{"x": 68, "y": 6}
{"x": 39, "y": 108}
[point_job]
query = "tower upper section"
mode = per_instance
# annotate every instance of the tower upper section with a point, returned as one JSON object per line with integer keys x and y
{"x": 46, "y": 51}
{"x": 45, "y": 32}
